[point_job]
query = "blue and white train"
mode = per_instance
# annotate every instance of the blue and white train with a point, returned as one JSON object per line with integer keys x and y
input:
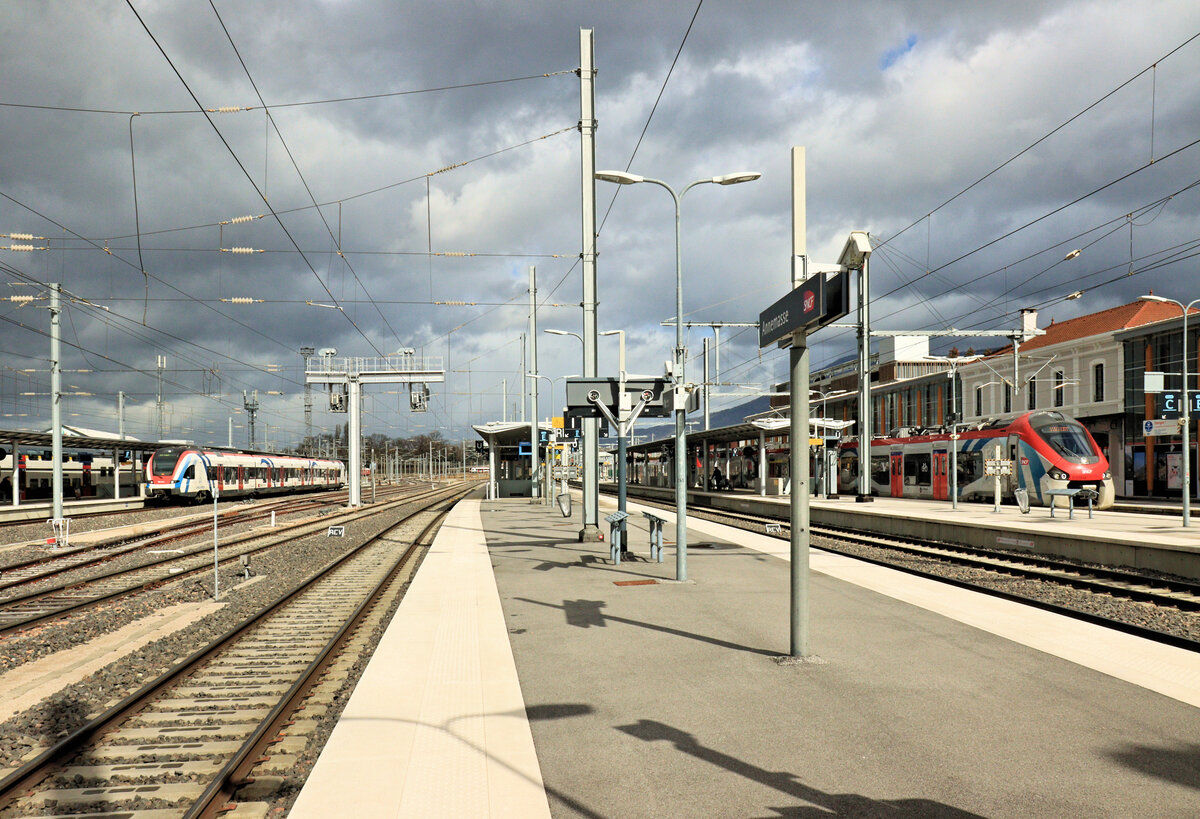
{"x": 194, "y": 474}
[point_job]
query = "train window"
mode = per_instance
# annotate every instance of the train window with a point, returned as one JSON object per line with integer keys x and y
{"x": 916, "y": 470}
{"x": 1068, "y": 439}
{"x": 880, "y": 469}
{"x": 970, "y": 467}
{"x": 165, "y": 460}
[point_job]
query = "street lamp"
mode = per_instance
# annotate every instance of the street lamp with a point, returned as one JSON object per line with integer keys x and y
{"x": 622, "y": 178}
{"x": 1185, "y": 421}
{"x": 565, "y": 333}
{"x": 622, "y": 432}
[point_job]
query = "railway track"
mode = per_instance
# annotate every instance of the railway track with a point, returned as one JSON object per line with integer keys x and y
{"x": 67, "y": 596}
{"x": 130, "y": 540}
{"x": 185, "y": 744}
{"x": 1160, "y": 591}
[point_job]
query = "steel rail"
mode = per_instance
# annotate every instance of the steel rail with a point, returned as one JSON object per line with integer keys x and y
{"x": 158, "y": 580}
{"x": 216, "y": 798}
{"x": 29, "y": 774}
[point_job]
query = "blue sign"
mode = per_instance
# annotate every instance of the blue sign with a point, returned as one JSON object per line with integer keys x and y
{"x": 522, "y": 447}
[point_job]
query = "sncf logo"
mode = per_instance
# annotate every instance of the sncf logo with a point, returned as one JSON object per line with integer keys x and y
{"x": 810, "y": 300}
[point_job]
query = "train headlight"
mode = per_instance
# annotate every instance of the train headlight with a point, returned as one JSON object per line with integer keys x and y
{"x": 1108, "y": 475}
{"x": 1058, "y": 474}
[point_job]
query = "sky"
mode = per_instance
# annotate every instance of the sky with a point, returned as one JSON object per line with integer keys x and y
{"x": 407, "y": 163}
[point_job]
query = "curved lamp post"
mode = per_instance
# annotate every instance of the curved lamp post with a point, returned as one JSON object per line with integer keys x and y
{"x": 622, "y": 178}
{"x": 1185, "y": 420}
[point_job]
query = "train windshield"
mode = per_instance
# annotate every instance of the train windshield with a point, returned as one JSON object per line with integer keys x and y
{"x": 165, "y": 460}
{"x": 1069, "y": 439}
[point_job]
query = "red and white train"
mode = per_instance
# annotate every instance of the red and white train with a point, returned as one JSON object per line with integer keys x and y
{"x": 191, "y": 473}
{"x": 1048, "y": 450}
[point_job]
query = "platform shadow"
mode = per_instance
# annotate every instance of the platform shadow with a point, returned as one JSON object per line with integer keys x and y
{"x": 821, "y": 804}
{"x": 1180, "y": 765}
{"x": 587, "y": 613}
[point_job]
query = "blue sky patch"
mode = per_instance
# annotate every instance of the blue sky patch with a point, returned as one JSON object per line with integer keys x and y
{"x": 892, "y": 55}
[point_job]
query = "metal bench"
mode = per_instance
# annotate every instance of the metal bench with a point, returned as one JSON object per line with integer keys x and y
{"x": 1089, "y": 495}
{"x": 656, "y": 535}
{"x": 616, "y": 532}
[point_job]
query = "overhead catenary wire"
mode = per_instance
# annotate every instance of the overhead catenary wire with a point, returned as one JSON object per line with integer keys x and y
{"x": 231, "y": 109}
{"x": 237, "y": 160}
{"x": 296, "y": 167}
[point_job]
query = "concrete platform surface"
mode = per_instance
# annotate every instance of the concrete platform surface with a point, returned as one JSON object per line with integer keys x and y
{"x": 668, "y": 699}
{"x": 436, "y": 726}
{"x": 641, "y": 696}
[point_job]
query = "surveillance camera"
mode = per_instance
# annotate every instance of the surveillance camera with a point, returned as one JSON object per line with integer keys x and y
{"x": 593, "y": 395}
{"x": 647, "y": 395}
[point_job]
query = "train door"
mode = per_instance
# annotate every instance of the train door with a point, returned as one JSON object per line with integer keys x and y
{"x": 897, "y": 475}
{"x": 240, "y": 479}
{"x": 1015, "y": 479}
{"x": 941, "y": 475}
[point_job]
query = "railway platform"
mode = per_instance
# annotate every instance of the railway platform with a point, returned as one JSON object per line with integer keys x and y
{"x": 526, "y": 675}
{"x": 1152, "y": 538}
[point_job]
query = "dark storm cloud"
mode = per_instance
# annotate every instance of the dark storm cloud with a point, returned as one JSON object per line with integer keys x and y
{"x": 900, "y": 107}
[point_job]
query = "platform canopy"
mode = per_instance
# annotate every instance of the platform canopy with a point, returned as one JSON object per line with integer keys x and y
{"x": 78, "y": 438}
{"x": 745, "y": 432}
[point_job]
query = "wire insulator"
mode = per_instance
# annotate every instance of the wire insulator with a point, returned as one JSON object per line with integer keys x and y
{"x": 21, "y": 299}
{"x": 243, "y": 250}
{"x": 23, "y": 248}
{"x": 225, "y": 109}
{"x": 28, "y": 237}
{"x": 242, "y": 300}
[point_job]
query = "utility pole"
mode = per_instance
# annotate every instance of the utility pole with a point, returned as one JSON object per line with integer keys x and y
{"x": 251, "y": 407}
{"x": 55, "y": 406}
{"x": 162, "y": 364}
{"x": 533, "y": 364}
{"x": 307, "y": 353}
{"x": 587, "y": 154}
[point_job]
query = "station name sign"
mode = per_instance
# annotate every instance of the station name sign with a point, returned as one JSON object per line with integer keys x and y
{"x": 817, "y": 301}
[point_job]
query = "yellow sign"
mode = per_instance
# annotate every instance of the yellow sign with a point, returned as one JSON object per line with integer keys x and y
{"x": 557, "y": 422}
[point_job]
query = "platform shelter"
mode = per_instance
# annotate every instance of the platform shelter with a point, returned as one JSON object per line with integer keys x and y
{"x": 510, "y": 461}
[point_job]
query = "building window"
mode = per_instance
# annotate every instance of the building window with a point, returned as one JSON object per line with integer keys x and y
{"x": 1007, "y": 397}
{"x": 1032, "y": 393}
{"x": 1098, "y": 382}
{"x": 1059, "y": 386}
{"x": 979, "y": 401}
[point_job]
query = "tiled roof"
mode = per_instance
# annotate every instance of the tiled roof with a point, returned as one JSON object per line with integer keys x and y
{"x": 1123, "y": 317}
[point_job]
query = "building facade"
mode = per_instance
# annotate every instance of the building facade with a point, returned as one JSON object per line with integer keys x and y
{"x": 1090, "y": 367}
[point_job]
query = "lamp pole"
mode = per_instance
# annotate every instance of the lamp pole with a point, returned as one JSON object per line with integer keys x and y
{"x": 622, "y": 178}
{"x": 622, "y": 432}
{"x": 1185, "y": 420}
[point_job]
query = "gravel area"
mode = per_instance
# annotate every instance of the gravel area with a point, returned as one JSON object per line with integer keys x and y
{"x": 281, "y": 569}
{"x": 1148, "y": 615}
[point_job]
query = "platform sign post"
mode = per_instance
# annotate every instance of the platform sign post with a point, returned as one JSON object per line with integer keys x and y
{"x": 216, "y": 493}
{"x": 813, "y": 302}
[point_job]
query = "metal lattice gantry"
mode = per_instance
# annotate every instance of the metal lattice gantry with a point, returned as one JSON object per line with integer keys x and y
{"x": 404, "y": 367}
